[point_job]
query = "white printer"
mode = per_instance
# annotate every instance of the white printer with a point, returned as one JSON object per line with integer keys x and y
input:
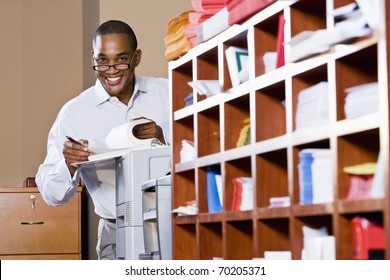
{"x": 132, "y": 170}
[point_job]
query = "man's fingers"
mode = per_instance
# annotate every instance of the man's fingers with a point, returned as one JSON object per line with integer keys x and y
{"x": 147, "y": 130}
{"x": 74, "y": 152}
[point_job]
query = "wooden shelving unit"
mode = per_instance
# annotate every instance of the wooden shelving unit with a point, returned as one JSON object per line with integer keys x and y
{"x": 271, "y": 158}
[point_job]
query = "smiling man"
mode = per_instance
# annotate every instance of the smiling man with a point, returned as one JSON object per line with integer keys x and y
{"x": 117, "y": 97}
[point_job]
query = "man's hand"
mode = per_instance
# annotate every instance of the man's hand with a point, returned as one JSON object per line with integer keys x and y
{"x": 148, "y": 130}
{"x": 75, "y": 152}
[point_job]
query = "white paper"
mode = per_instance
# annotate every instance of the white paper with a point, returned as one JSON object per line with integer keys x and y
{"x": 122, "y": 136}
{"x": 277, "y": 255}
{"x": 118, "y": 142}
{"x": 232, "y": 54}
{"x": 378, "y": 184}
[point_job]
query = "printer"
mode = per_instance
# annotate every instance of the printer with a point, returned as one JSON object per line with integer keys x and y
{"x": 133, "y": 169}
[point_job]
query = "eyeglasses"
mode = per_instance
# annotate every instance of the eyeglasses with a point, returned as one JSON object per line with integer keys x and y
{"x": 104, "y": 68}
{"x": 119, "y": 66}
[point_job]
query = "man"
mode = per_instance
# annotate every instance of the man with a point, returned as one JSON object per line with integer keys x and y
{"x": 117, "y": 97}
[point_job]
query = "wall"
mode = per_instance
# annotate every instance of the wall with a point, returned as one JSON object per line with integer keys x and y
{"x": 148, "y": 19}
{"x": 42, "y": 58}
{"x": 11, "y": 90}
{"x": 44, "y": 50}
{"x": 45, "y": 58}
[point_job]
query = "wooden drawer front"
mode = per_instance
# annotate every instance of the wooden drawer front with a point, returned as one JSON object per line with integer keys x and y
{"x": 42, "y": 257}
{"x": 42, "y": 230}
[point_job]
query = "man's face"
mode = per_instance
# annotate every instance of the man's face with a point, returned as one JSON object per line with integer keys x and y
{"x": 113, "y": 49}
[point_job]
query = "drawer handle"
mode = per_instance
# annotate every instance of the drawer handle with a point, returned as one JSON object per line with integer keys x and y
{"x": 32, "y": 197}
{"x": 32, "y": 223}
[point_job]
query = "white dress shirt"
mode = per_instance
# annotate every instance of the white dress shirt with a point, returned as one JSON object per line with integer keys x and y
{"x": 91, "y": 116}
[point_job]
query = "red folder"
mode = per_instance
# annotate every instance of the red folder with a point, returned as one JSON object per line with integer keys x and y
{"x": 242, "y": 194}
{"x": 208, "y": 6}
{"x": 368, "y": 239}
{"x": 237, "y": 195}
{"x": 240, "y": 10}
{"x": 280, "y": 42}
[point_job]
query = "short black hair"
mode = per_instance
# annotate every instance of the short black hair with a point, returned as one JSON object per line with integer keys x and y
{"x": 117, "y": 27}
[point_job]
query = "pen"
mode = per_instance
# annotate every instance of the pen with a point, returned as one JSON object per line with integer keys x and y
{"x": 77, "y": 142}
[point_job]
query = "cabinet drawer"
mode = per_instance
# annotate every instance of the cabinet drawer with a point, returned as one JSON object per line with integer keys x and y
{"x": 42, "y": 257}
{"x": 30, "y": 226}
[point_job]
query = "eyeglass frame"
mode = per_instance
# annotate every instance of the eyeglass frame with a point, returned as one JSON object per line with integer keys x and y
{"x": 115, "y": 65}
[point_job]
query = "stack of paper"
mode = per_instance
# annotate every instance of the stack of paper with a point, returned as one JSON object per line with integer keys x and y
{"x": 277, "y": 255}
{"x": 195, "y": 19}
{"x": 269, "y": 59}
{"x": 206, "y": 87}
{"x": 309, "y": 43}
{"x": 346, "y": 11}
{"x": 213, "y": 26}
{"x": 322, "y": 176}
{"x": 315, "y": 176}
{"x": 370, "y": 10}
{"x": 176, "y": 41}
{"x": 313, "y": 106}
{"x": 318, "y": 244}
{"x": 242, "y": 194}
{"x": 231, "y": 12}
{"x": 203, "y": 10}
{"x": 361, "y": 100}
{"x": 187, "y": 151}
{"x": 189, "y": 209}
{"x": 280, "y": 201}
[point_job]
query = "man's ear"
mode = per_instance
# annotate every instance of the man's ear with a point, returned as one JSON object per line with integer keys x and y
{"x": 138, "y": 57}
{"x": 92, "y": 60}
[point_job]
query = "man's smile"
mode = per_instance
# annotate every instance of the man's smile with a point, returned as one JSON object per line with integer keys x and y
{"x": 113, "y": 80}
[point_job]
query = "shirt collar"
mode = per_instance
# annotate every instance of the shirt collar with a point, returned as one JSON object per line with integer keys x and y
{"x": 140, "y": 84}
{"x": 101, "y": 95}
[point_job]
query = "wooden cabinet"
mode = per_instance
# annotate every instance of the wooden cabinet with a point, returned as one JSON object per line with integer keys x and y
{"x": 271, "y": 158}
{"x": 30, "y": 229}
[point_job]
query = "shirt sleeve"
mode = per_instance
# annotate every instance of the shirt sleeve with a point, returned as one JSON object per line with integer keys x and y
{"x": 165, "y": 110}
{"x": 53, "y": 179}
{"x": 166, "y": 132}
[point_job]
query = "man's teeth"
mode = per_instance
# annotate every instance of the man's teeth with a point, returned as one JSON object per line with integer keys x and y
{"x": 113, "y": 79}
